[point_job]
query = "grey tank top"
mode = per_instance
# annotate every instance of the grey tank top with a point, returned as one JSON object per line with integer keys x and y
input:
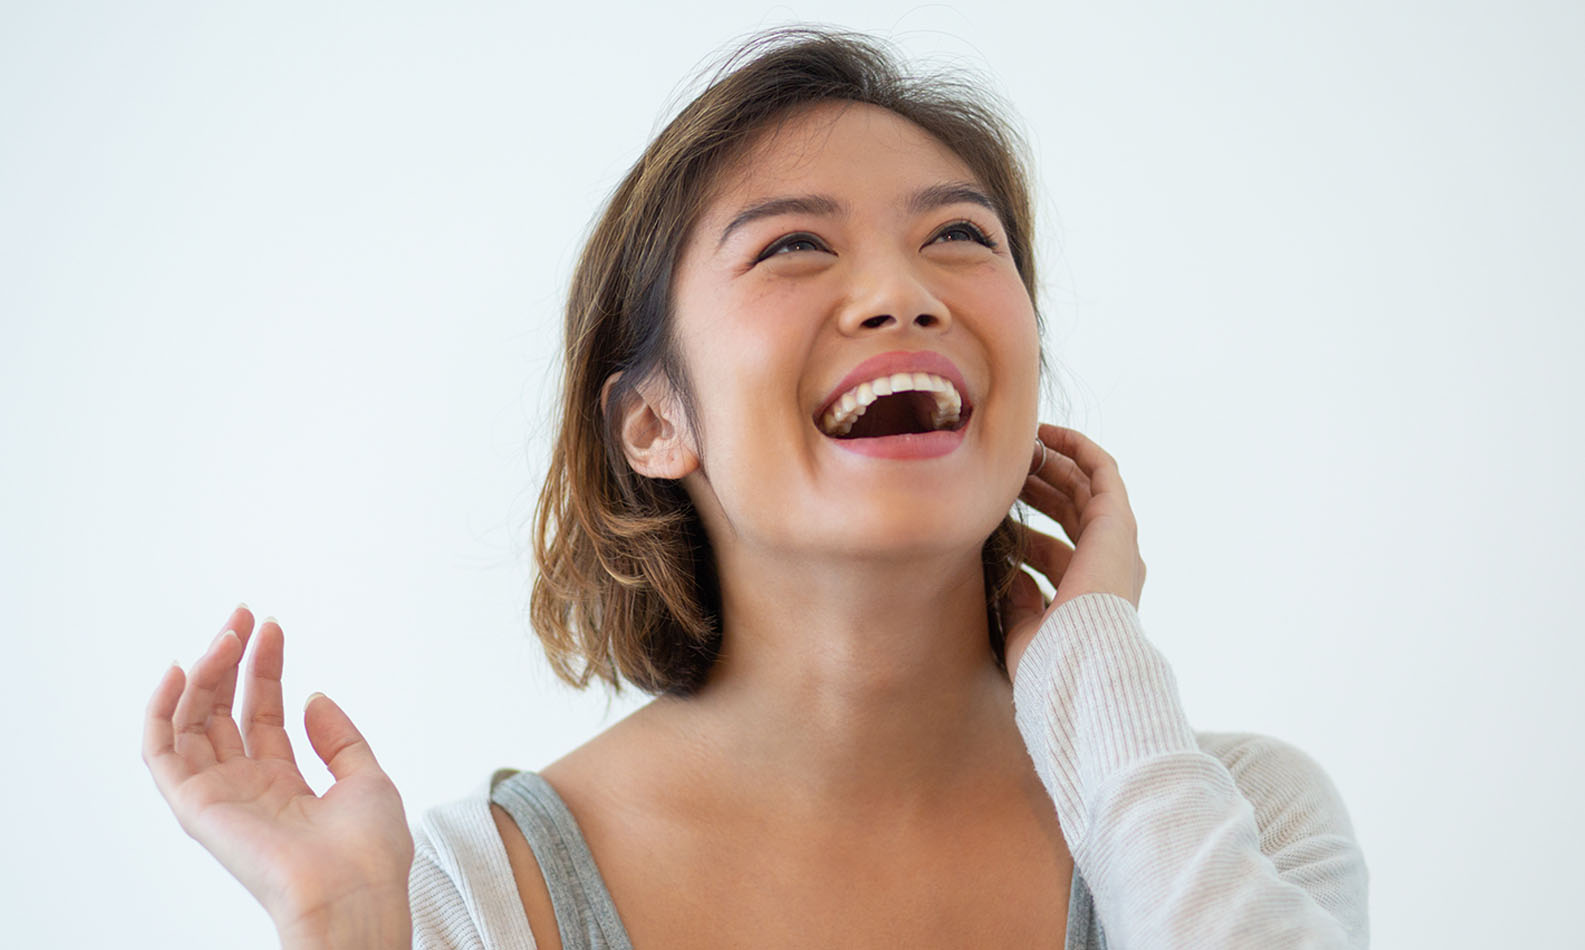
{"x": 585, "y": 913}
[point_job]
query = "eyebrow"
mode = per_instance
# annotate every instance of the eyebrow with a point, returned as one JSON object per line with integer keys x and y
{"x": 925, "y": 199}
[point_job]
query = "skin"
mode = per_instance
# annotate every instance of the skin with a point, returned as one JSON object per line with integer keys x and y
{"x": 855, "y": 727}
{"x": 874, "y": 692}
{"x": 884, "y": 666}
{"x": 330, "y": 870}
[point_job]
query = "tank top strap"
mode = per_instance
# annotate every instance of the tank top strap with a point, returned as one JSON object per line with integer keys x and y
{"x": 585, "y": 914}
{"x": 1084, "y": 929}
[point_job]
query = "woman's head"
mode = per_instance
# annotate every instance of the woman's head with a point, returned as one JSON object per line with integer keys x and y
{"x": 698, "y": 361}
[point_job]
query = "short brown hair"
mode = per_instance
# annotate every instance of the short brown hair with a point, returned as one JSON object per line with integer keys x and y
{"x": 626, "y": 587}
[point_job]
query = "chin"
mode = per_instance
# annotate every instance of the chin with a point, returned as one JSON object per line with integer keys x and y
{"x": 899, "y": 527}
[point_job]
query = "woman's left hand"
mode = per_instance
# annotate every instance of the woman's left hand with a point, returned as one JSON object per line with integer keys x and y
{"x": 1080, "y": 488}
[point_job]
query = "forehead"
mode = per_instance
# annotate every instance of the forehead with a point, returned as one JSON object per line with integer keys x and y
{"x": 836, "y": 146}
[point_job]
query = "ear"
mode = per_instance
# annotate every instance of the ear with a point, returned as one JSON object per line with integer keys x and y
{"x": 651, "y": 428}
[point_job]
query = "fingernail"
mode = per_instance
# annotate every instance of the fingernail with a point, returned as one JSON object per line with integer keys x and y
{"x": 310, "y": 699}
{"x": 271, "y": 620}
{"x": 221, "y": 636}
{"x": 240, "y": 606}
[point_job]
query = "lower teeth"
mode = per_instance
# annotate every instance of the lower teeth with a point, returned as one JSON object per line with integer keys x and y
{"x": 942, "y": 425}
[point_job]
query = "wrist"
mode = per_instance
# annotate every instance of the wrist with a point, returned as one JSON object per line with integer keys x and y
{"x": 379, "y": 922}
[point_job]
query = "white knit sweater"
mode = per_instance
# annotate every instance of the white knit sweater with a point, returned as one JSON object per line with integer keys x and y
{"x": 1186, "y": 840}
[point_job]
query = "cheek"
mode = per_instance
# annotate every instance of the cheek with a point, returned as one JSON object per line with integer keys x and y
{"x": 746, "y": 383}
{"x": 1016, "y": 341}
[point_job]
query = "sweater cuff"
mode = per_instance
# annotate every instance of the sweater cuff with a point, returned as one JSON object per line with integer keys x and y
{"x": 1092, "y": 698}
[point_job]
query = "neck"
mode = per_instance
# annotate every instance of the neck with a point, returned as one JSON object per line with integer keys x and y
{"x": 866, "y": 683}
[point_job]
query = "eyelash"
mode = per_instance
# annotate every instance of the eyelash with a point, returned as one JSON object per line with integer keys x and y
{"x": 975, "y": 234}
{"x": 802, "y": 237}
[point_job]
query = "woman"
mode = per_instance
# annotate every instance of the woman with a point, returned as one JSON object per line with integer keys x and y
{"x": 802, "y": 376}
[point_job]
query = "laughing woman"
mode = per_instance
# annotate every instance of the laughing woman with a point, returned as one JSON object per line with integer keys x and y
{"x": 800, "y": 402}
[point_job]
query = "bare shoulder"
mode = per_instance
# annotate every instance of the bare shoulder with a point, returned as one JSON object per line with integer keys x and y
{"x": 582, "y": 780}
{"x": 530, "y": 881}
{"x": 628, "y": 770}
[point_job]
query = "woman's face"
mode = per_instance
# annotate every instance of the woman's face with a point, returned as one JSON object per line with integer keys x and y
{"x": 846, "y": 234}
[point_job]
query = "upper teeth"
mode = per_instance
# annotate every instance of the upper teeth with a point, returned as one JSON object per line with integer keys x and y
{"x": 839, "y": 419}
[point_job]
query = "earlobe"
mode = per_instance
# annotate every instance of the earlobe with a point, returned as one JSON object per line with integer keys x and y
{"x": 649, "y": 425}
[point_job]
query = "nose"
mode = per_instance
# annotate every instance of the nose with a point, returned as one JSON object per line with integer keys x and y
{"x": 890, "y": 293}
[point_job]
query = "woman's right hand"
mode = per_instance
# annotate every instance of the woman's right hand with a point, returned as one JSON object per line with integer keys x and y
{"x": 330, "y": 870}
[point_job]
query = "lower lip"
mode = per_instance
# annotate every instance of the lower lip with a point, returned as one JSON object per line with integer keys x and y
{"x": 913, "y": 445}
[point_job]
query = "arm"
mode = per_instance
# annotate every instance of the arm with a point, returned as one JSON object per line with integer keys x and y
{"x": 442, "y": 919}
{"x": 463, "y": 890}
{"x": 1180, "y": 848}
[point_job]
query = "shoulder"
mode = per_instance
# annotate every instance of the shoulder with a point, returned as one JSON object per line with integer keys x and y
{"x": 533, "y": 894}
{"x": 1304, "y": 826}
{"x": 1285, "y": 784}
{"x": 459, "y": 837}
{"x": 462, "y": 885}
{"x": 1258, "y": 756}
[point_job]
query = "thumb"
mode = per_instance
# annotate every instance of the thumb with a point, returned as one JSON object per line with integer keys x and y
{"x": 335, "y": 739}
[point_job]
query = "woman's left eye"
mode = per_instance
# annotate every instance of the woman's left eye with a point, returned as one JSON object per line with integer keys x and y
{"x": 959, "y": 231}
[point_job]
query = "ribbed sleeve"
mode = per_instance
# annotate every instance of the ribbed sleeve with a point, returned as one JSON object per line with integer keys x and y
{"x": 462, "y": 891}
{"x": 440, "y": 916}
{"x": 1186, "y": 841}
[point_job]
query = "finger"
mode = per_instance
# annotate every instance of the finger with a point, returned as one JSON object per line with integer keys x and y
{"x": 263, "y": 715}
{"x": 159, "y": 736}
{"x": 336, "y": 741}
{"x": 1047, "y": 555}
{"x": 1063, "y": 473}
{"x": 1053, "y": 503}
{"x": 1092, "y": 460}
{"x": 191, "y": 720}
{"x": 224, "y": 736}
{"x": 241, "y": 620}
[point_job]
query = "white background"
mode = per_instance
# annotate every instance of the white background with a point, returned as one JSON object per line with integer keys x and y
{"x": 281, "y": 285}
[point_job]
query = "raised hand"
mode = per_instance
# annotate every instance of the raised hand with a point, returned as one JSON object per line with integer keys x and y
{"x": 329, "y": 870}
{"x": 1077, "y": 484}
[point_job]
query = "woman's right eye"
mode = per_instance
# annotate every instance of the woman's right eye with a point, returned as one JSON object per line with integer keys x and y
{"x": 792, "y": 242}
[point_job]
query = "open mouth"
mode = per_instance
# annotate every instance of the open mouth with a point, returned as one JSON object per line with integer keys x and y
{"x": 898, "y": 404}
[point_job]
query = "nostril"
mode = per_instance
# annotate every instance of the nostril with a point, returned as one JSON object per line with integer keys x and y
{"x": 874, "y": 322}
{"x": 925, "y": 320}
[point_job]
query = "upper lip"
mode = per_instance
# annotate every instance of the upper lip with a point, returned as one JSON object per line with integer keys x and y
{"x": 897, "y": 361}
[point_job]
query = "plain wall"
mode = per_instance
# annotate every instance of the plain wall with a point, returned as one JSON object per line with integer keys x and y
{"x": 281, "y": 284}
